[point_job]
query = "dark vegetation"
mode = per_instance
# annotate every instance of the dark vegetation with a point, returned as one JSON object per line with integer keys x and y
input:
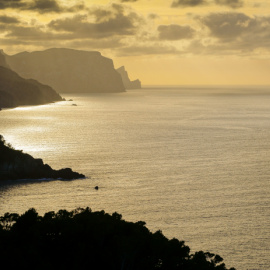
{"x": 82, "y": 239}
{"x": 15, "y": 164}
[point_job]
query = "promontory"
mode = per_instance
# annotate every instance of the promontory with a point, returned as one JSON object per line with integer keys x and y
{"x": 136, "y": 84}
{"x": 68, "y": 70}
{"x": 15, "y": 165}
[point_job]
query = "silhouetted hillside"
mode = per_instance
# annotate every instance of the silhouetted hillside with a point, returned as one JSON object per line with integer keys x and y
{"x": 127, "y": 82}
{"x": 16, "y": 91}
{"x": 68, "y": 70}
{"x": 82, "y": 239}
{"x": 3, "y": 62}
{"x": 17, "y": 165}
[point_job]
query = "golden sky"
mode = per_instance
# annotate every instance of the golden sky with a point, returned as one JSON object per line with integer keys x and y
{"x": 166, "y": 42}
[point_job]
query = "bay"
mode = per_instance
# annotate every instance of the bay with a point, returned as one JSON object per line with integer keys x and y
{"x": 192, "y": 162}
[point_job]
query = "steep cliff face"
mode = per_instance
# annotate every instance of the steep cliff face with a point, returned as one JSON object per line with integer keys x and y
{"x": 17, "y": 165}
{"x": 3, "y": 62}
{"x": 68, "y": 70}
{"x": 127, "y": 82}
{"x": 16, "y": 91}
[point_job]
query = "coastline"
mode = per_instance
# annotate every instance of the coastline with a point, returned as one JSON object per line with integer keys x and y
{"x": 16, "y": 165}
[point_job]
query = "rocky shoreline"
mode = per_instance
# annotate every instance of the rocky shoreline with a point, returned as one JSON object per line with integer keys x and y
{"x": 16, "y": 165}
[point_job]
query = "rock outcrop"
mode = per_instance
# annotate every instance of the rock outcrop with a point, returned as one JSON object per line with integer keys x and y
{"x": 68, "y": 70}
{"x": 16, "y": 91}
{"x": 126, "y": 81}
{"x": 16, "y": 165}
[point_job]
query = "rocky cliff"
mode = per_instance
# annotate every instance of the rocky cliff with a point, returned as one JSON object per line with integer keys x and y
{"x": 17, "y": 165}
{"x": 68, "y": 70}
{"x": 126, "y": 81}
{"x": 16, "y": 91}
{"x": 3, "y": 62}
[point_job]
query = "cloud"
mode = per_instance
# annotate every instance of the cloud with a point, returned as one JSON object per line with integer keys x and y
{"x": 194, "y": 3}
{"x": 238, "y": 31}
{"x": 230, "y": 3}
{"x": 120, "y": 28}
{"x": 146, "y": 49}
{"x": 101, "y": 27}
{"x": 9, "y": 20}
{"x": 40, "y": 6}
{"x": 44, "y": 6}
{"x": 4, "y": 4}
{"x": 227, "y": 25}
{"x": 108, "y": 21}
{"x": 104, "y": 43}
{"x": 175, "y": 32}
{"x": 32, "y": 33}
{"x": 188, "y": 3}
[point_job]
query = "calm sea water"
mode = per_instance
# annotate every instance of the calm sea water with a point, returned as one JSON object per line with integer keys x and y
{"x": 191, "y": 162}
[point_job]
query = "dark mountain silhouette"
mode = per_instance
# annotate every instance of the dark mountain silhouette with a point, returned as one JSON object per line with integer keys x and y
{"x": 68, "y": 70}
{"x": 17, "y": 165}
{"x": 126, "y": 81}
{"x": 16, "y": 91}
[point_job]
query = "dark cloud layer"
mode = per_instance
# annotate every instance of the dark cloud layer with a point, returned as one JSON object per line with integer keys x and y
{"x": 119, "y": 27}
{"x": 4, "y": 4}
{"x": 99, "y": 27}
{"x": 194, "y": 3}
{"x": 146, "y": 49}
{"x": 175, "y": 32}
{"x": 229, "y": 25}
{"x": 32, "y": 33}
{"x": 114, "y": 20}
{"x": 9, "y": 20}
{"x": 239, "y": 31}
{"x": 44, "y": 6}
{"x": 230, "y": 3}
{"x": 187, "y": 3}
{"x": 40, "y": 6}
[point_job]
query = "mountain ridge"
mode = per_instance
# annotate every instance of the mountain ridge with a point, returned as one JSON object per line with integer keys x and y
{"x": 69, "y": 70}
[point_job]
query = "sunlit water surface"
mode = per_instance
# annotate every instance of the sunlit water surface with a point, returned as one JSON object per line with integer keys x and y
{"x": 191, "y": 162}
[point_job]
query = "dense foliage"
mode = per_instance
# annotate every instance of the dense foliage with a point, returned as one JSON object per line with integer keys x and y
{"x": 15, "y": 164}
{"x": 7, "y": 152}
{"x": 82, "y": 239}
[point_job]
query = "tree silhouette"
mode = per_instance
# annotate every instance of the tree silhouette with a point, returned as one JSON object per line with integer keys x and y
{"x": 82, "y": 239}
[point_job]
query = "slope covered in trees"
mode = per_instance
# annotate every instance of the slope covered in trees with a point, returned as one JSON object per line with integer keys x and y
{"x": 15, "y": 164}
{"x": 82, "y": 239}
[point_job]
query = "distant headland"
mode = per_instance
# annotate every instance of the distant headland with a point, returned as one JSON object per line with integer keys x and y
{"x": 136, "y": 84}
{"x": 35, "y": 78}
{"x": 68, "y": 70}
{"x": 15, "y": 165}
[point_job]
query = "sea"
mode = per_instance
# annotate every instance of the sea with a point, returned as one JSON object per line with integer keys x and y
{"x": 193, "y": 162}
